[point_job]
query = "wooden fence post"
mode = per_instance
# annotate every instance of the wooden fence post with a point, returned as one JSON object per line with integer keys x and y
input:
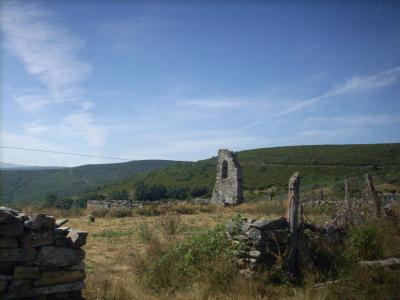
{"x": 293, "y": 218}
{"x": 293, "y": 203}
{"x": 374, "y": 195}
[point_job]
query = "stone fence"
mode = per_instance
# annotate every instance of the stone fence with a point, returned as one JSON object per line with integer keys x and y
{"x": 39, "y": 259}
{"x": 262, "y": 242}
{"x": 110, "y": 204}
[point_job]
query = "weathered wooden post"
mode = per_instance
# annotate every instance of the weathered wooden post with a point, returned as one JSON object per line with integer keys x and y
{"x": 293, "y": 218}
{"x": 293, "y": 203}
{"x": 374, "y": 194}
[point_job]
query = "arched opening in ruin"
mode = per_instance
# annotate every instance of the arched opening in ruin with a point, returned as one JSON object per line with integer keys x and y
{"x": 224, "y": 169}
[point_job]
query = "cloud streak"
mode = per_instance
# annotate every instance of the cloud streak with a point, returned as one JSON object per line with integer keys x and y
{"x": 211, "y": 103}
{"x": 354, "y": 84}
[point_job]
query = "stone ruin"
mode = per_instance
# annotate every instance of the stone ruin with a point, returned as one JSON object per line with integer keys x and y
{"x": 228, "y": 189}
{"x": 40, "y": 259}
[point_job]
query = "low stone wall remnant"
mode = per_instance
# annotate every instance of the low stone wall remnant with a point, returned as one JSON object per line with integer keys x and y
{"x": 261, "y": 242}
{"x": 39, "y": 258}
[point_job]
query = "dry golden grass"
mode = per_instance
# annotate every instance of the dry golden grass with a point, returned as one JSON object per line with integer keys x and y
{"x": 115, "y": 247}
{"x": 114, "y": 244}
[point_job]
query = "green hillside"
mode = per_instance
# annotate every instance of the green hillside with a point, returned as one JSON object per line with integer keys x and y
{"x": 30, "y": 185}
{"x": 320, "y": 167}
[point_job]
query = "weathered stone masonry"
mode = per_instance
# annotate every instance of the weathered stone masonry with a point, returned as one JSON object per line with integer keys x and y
{"x": 228, "y": 189}
{"x": 39, "y": 259}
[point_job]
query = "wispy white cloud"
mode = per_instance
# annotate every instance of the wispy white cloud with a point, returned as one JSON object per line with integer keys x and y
{"x": 356, "y": 120}
{"x": 212, "y": 103}
{"x": 49, "y": 53}
{"x": 354, "y": 84}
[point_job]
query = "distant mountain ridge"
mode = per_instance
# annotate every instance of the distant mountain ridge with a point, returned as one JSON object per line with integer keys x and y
{"x": 319, "y": 165}
{"x": 35, "y": 184}
{"x": 11, "y": 166}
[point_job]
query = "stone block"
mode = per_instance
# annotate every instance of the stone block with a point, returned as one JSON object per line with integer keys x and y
{"x": 8, "y": 243}
{"x": 30, "y": 225}
{"x": 17, "y": 255}
{"x": 78, "y": 267}
{"x": 11, "y": 230}
{"x": 7, "y": 217}
{"x": 48, "y": 222}
{"x": 3, "y": 285}
{"x": 57, "y": 256}
{"x": 58, "y": 277}
{"x": 47, "y": 290}
{"x": 7, "y": 268}
{"x": 37, "y": 239}
{"x": 280, "y": 223}
{"x": 76, "y": 239}
{"x": 26, "y": 272}
{"x": 255, "y": 253}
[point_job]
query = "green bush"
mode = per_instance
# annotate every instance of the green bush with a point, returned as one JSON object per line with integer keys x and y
{"x": 207, "y": 257}
{"x": 365, "y": 243}
{"x": 144, "y": 232}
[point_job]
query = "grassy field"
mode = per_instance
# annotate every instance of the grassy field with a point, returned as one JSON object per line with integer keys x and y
{"x": 123, "y": 244}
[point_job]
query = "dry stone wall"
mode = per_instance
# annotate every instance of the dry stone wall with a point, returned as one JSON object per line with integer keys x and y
{"x": 260, "y": 242}
{"x": 228, "y": 189}
{"x": 40, "y": 258}
{"x": 105, "y": 204}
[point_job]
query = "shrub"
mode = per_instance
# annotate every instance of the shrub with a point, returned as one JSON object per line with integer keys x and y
{"x": 170, "y": 223}
{"x": 145, "y": 234}
{"x": 364, "y": 243}
{"x": 207, "y": 257}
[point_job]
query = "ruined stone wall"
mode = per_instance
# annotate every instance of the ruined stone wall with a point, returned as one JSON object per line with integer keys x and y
{"x": 39, "y": 259}
{"x": 261, "y": 242}
{"x": 101, "y": 204}
{"x": 228, "y": 189}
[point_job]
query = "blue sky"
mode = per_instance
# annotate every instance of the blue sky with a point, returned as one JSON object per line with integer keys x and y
{"x": 180, "y": 79}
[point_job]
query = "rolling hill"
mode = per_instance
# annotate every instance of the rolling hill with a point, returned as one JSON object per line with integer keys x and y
{"x": 320, "y": 166}
{"x": 31, "y": 185}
